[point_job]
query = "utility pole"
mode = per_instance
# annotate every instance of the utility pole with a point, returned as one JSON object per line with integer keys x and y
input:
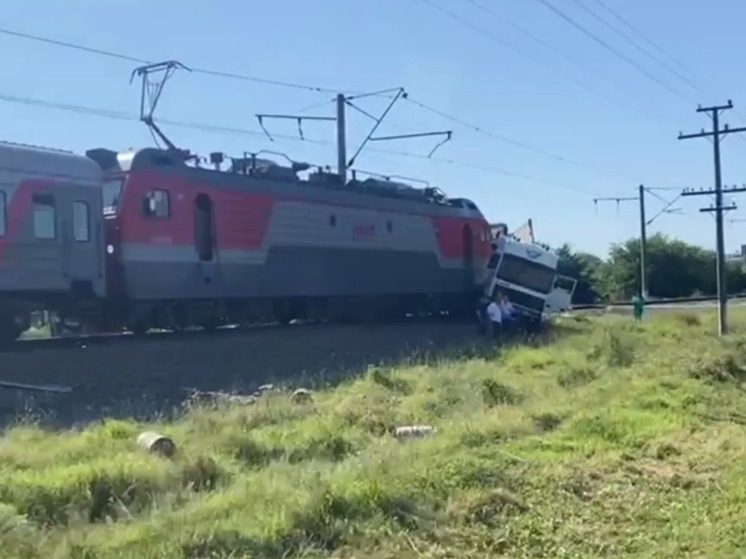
{"x": 716, "y": 134}
{"x": 341, "y": 138}
{"x": 644, "y": 222}
{"x": 643, "y": 246}
{"x": 719, "y": 209}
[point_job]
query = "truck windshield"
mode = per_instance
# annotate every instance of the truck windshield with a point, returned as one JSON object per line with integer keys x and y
{"x": 111, "y": 192}
{"x": 563, "y": 282}
{"x": 526, "y": 274}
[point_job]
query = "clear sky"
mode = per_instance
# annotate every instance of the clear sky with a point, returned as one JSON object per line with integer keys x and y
{"x": 562, "y": 94}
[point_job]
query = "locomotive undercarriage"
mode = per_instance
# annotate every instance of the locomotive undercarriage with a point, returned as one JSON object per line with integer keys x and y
{"x": 12, "y": 325}
{"x": 140, "y": 317}
{"x": 70, "y": 317}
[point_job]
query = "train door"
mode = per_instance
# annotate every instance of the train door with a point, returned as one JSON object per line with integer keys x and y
{"x": 204, "y": 240}
{"x": 47, "y": 268}
{"x": 468, "y": 251}
{"x": 80, "y": 217}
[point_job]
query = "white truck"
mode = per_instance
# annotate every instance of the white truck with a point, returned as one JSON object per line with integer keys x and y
{"x": 527, "y": 274}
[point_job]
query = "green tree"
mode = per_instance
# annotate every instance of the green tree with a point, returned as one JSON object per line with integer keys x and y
{"x": 675, "y": 269}
{"x": 583, "y": 267}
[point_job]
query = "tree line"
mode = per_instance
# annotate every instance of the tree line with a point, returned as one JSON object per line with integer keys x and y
{"x": 675, "y": 269}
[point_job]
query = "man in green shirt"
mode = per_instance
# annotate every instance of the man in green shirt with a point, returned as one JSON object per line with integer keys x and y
{"x": 638, "y": 306}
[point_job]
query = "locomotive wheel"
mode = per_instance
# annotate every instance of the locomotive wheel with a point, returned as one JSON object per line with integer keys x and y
{"x": 282, "y": 311}
{"x": 209, "y": 326}
{"x": 7, "y": 336}
{"x": 71, "y": 328}
{"x": 10, "y": 330}
{"x": 139, "y": 329}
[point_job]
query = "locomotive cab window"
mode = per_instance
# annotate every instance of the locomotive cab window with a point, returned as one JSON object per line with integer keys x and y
{"x": 81, "y": 222}
{"x": 157, "y": 204}
{"x": 3, "y": 212}
{"x": 111, "y": 192}
{"x": 45, "y": 217}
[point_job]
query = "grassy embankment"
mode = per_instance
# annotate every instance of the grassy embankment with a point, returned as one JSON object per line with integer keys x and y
{"x": 615, "y": 440}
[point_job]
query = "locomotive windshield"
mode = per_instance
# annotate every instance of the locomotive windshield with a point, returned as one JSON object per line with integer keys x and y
{"x": 526, "y": 274}
{"x": 111, "y": 191}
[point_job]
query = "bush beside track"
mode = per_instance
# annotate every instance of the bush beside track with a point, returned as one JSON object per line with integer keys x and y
{"x": 614, "y": 440}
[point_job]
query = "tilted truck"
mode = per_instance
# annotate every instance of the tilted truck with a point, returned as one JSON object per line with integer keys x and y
{"x": 527, "y": 274}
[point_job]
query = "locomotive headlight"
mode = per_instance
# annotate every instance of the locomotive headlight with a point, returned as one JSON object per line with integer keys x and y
{"x": 110, "y": 249}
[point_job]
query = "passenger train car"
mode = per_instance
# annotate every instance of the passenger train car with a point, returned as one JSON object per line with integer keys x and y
{"x": 145, "y": 239}
{"x": 50, "y": 233}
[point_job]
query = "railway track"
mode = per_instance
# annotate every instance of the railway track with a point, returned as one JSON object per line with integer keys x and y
{"x": 33, "y": 344}
{"x": 152, "y": 375}
{"x": 83, "y": 341}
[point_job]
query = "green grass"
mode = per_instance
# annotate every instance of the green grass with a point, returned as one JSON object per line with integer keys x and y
{"x": 614, "y": 440}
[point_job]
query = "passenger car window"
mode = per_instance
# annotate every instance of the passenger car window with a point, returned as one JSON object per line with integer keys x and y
{"x": 157, "y": 204}
{"x": 81, "y": 224}
{"x": 45, "y": 217}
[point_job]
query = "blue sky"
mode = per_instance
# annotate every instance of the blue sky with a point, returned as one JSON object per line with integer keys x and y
{"x": 506, "y": 83}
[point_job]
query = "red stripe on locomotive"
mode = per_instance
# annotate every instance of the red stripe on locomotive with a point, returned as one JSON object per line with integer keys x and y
{"x": 245, "y": 217}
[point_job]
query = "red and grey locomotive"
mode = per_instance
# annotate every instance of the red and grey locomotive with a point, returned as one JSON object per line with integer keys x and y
{"x": 147, "y": 239}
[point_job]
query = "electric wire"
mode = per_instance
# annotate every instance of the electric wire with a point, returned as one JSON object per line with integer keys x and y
{"x": 129, "y": 58}
{"x": 205, "y": 71}
{"x": 612, "y": 49}
{"x": 523, "y": 31}
{"x": 647, "y": 39}
{"x": 647, "y": 52}
{"x": 118, "y": 115}
{"x": 637, "y": 45}
{"x": 527, "y": 55}
{"x": 500, "y": 137}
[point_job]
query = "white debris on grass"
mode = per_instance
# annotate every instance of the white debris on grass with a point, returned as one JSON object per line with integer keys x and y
{"x": 302, "y": 395}
{"x": 157, "y": 443}
{"x": 414, "y": 431}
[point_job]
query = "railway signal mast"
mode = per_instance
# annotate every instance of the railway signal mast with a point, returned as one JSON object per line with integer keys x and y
{"x": 644, "y": 222}
{"x": 342, "y": 102}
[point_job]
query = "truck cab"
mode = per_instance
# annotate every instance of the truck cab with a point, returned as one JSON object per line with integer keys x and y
{"x": 527, "y": 274}
{"x": 560, "y": 297}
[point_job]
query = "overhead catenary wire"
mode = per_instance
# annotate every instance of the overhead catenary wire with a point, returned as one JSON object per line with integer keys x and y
{"x": 573, "y": 60}
{"x": 645, "y": 51}
{"x": 500, "y": 137}
{"x": 130, "y": 58}
{"x": 119, "y": 115}
{"x": 637, "y": 45}
{"x": 527, "y": 33}
{"x": 495, "y": 38}
{"x": 205, "y": 71}
{"x": 616, "y": 52}
{"x": 645, "y": 38}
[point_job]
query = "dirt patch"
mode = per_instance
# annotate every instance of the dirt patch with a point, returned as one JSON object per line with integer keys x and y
{"x": 675, "y": 473}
